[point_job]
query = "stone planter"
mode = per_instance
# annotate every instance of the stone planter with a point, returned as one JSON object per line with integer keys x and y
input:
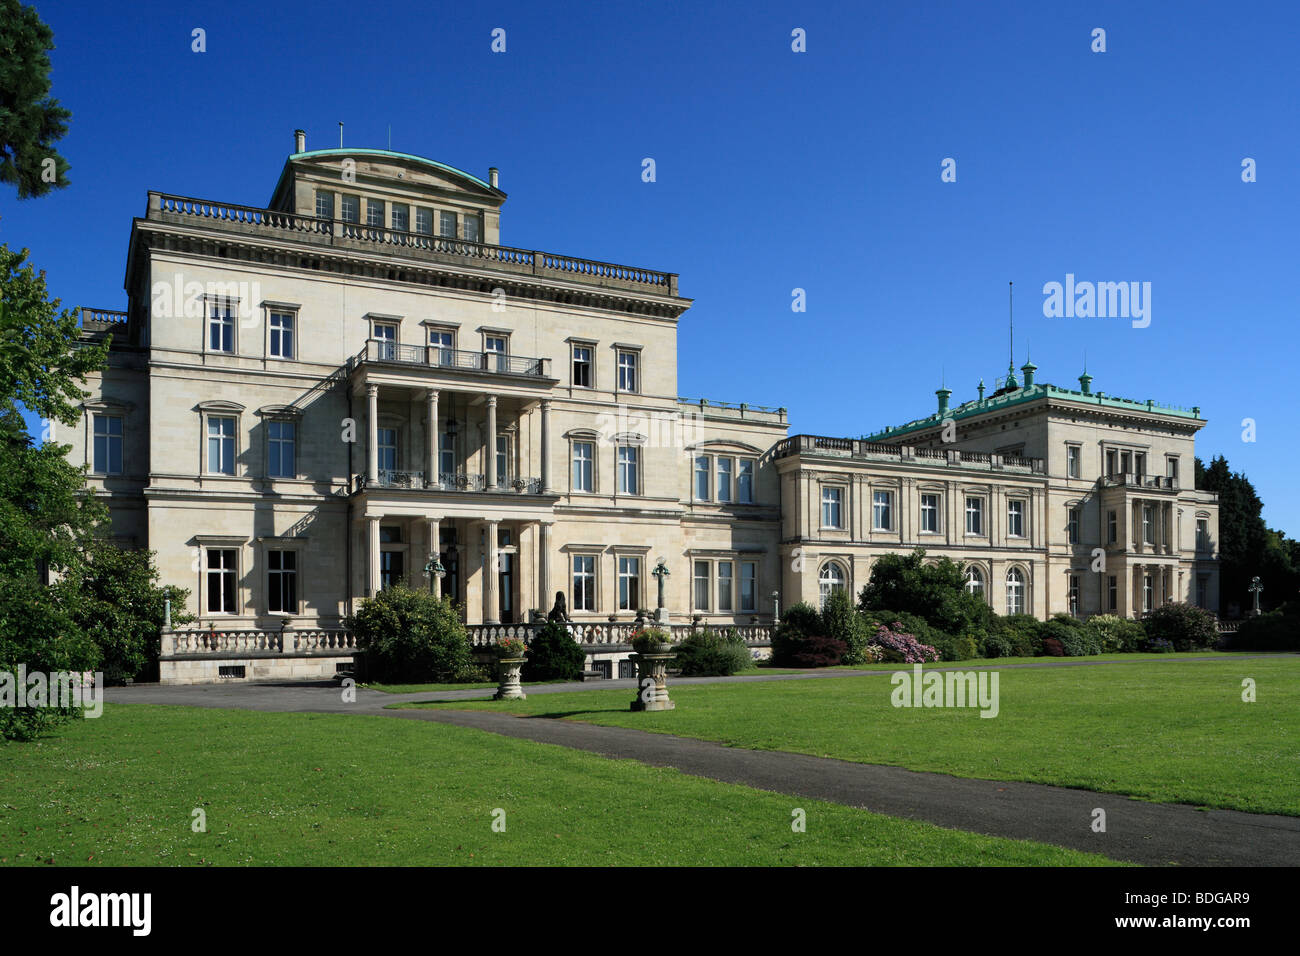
{"x": 653, "y": 668}
{"x": 508, "y": 688}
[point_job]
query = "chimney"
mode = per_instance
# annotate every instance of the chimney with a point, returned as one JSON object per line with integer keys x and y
{"x": 493, "y": 173}
{"x": 1029, "y": 368}
{"x": 981, "y": 390}
{"x": 1085, "y": 383}
{"x": 943, "y": 394}
{"x": 300, "y": 141}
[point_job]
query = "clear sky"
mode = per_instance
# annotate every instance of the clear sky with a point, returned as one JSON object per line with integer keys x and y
{"x": 775, "y": 170}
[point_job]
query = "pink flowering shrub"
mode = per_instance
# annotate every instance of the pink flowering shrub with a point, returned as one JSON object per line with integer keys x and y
{"x": 899, "y": 647}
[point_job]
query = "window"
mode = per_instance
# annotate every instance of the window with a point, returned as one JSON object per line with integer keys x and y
{"x": 745, "y": 481}
{"x": 974, "y": 581}
{"x": 930, "y": 513}
{"x": 701, "y": 580}
{"x": 829, "y": 581}
{"x": 447, "y": 224}
{"x": 629, "y": 477}
{"x": 281, "y": 461}
{"x": 1016, "y": 519}
{"x": 725, "y": 582}
{"x": 496, "y": 344}
{"x": 388, "y": 449}
{"x": 1148, "y": 591}
{"x": 350, "y": 208}
{"x": 386, "y": 334}
{"x": 282, "y": 582}
{"x": 1202, "y": 534}
{"x": 472, "y": 228}
{"x": 221, "y": 581}
{"x": 1072, "y": 525}
{"x": 221, "y": 445}
{"x": 749, "y": 585}
{"x": 108, "y": 445}
{"x": 1110, "y": 463}
{"x": 447, "y": 454}
{"x": 629, "y": 584}
{"x": 282, "y": 335}
{"x": 375, "y": 213}
{"x": 1148, "y": 524}
{"x": 401, "y": 217}
{"x": 1202, "y": 590}
{"x": 974, "y": 515}
{"x": 1112, "y": 527}
{"x": 324, "y": 204}
{"x": 584, "y": 454}
{"x": 424, "y": 221}
{"x": 1126, "y": 462}
{"x": 1171, "y": 469}
{"x": 1072, "y": 460}
{"x": 1073, "y": 595}
{"x": 1112, "y": 592}
{"x": 1140, "y": 464}
{"x": 702, "y": 478}
{"x": 627, "y": 371}
{"x": 882, "y": 508}
{"x": 582, "y": 366}
{"x": 391, "y": 569}
{"x": 832, "y": 499}
{"x": 1015, "y": 591}
{"x": 584, "y": 582}
{"x": 503, "y": 460}
{"x": 443, "y": 344}
{"x": 723, "y": 467}
{"x": 221, "y": 327}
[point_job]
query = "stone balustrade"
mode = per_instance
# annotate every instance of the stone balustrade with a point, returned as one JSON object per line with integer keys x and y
{"x": 241, "y": 641}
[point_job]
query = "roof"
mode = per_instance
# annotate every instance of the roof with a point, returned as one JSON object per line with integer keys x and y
{"x": 386, "y": 154}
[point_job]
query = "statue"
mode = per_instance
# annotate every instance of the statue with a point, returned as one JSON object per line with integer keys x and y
{"x": 561, "y": 610}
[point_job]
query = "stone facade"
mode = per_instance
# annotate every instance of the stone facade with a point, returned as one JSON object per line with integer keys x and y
{"x": 308, "y": 401}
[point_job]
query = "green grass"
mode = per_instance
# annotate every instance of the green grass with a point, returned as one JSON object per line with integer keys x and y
{"x": 1167, "y": 730}
{"x": 327, "y": 790}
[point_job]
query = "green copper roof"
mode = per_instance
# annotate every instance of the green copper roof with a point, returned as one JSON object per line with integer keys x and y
{"x": 390, "y": 154}
{"x": 1033, "y": 393}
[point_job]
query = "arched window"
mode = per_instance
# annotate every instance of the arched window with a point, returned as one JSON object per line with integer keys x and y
{"x": 1015, "y": 591}
{"x": 974, "y": 581}
{"x": 830, "y": 580}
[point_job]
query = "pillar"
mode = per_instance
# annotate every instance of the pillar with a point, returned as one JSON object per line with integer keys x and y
{"x": 372, "y": 551}
{"x": 546, "y": 449}
{"x": 435, "y": 547}
{"x": 372, "y": 434}
{"x": 544, "y": 566}
{"x": 491, "y": 469}
{"x": 431, "y": 412}
{"x": 491, "y": 600}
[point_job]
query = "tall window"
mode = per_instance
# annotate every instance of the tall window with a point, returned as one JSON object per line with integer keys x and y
{"x": 391, "y": 568}
{"x": 725, "y": 584}
{"x": 584, "y": 582}
{"x": 749, "y": 585}
{"x": 1140, "y": 464}
{"x": 350, "y": 208}
{"x": 1112, "y": 592}
{"x": 745, "y": 481}
{"x": 221, "y": 581}
{"x": 629, "y": 471}
{"x": 1072, "y": 453}
{"x": 1112, "y": 527}
{"x": 447, "y": 224}
{"x": 1148, "y": 524}
{"x": 386, "y": 334}
{"x": 582, "y": 366}
{"x": 1015, "y": 591}
{"x": 282, "y": 335}
{"x": 1072, "y": 525}
{"x": 1073, "y": 595}
{"x": 584, "y": 455}
{"x": 388, "y": 449}
{"x": 1148, "y": 592}
{"x": 1202, "y": 534}
{"x": 974, "y": 581}
{"x": 1171, "y": 469}
{"x": 974, "y": 515}
{"x": 503, "y": 459}
{"x": 447, "y": 454}
{"x": 1016, "y": 518}
{"x": 1110, "y": 463}
{"x": 282, "y": 582}
{"x": 701, "y": 581}
{"x": 401, "y": 217}
{"x": 1126, "y": 462}
{"x": 930, "y": 513}
{"x": 221, "y": 327}
{"x": 281, "y": 460}
{"x": 221, "y": 445}
{"x": 324, "y": 204}
{"x": 472, "y": 231}
{"x": 882, "y": 508}
{"x": 1202, "y": 590}
{"x": 497, "y": 345}
{"x": 627, "y": 371}
{"x": 375, "y": 213}
{"x": 108, "y": 445}
{"x": 723, "y": 467}
{"x": 423, "y": 221}
{"x": 441, "y": 343}
{"x": 702, "y": 478}
{"x": 629, "y": 584}
{"x": 829, "y": 581}
{"x": 832, "y": 501}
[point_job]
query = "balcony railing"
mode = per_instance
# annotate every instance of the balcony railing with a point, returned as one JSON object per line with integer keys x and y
{"x": 337, "y": 232}
{"x": 446, "y": 481}
{"x": 927, "y": 457}
{"x": 596, "y": 634}
{"x": 381, "y": 350}
{"x": 1159, "y": 482}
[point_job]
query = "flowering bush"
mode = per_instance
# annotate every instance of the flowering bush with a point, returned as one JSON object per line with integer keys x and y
{"x": 510, "y": 647}
{"x": 903, "y": 648}
{"x": 645, "y": 639}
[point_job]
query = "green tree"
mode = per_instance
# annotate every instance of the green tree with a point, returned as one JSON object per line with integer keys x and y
{"x": 31, "y": 121}
{"x": 936, "y": 592}
{"x": 411, "y": 636}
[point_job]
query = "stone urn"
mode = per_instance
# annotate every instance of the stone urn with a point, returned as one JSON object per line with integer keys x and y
{"x": 508, "y": 686}
{"x": 652, "y": 679}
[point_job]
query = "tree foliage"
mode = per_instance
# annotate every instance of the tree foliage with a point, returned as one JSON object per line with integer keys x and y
{"x": 31, "y": 121}
{"x": 933, "y": 591}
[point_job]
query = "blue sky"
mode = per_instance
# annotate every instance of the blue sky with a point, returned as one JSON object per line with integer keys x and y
{"x": 775, "y": 170}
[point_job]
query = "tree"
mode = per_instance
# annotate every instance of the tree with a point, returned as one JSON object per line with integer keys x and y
{"x": 936, "y": 592}
{"x": 412, "y": 636}
{"x": 30, "y": 120}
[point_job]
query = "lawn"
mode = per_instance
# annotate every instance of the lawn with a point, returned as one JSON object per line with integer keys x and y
{"x": 1173, "y": 730}
{"x": 326, "y": 790}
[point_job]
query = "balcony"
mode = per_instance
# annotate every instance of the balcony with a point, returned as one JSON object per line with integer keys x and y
{"x": 862, "y": 450}
{"x": 336, "y": 233}
{"x": 497, "y": 363}
{"x": 1150, "y": 482}
{"x": 459, "y": 482}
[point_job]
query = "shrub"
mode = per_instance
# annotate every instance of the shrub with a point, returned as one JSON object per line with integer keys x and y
{"x": 710, "y": 654}
{"x": 553, "y": 654}
{"x": 1277, "y": 630}
{"x": 800, "y": 624}
{"x": 1075, "y": 640}
{"x": 1185, "y": 626}
{"x": 935, "y": 592}
{"x": 841, "y": 621}
{"x": 1022, "y": 631}
{"x": 411, "y": 637}
{"x": 997, "y": 644}
{"x": 1052, "y": 647}
{"x": 1116, "y": 634}
{"x": 816, "y": 650}
{"x": 900, "y": 647}
{"x": 1158, "y": 645}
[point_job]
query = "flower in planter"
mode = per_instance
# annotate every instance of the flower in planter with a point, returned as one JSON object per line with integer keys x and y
{"x": 510, "y": 647}
{"x": 646, "y": 640}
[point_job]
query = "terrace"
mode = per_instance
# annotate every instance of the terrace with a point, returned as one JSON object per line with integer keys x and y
{"x": 861, "y": 450}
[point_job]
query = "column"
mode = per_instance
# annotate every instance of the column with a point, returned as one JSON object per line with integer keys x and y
{"x": 1171, "y": 529}
{"x": 431, "y": 413}
{"x": 544, "y": 566}
{"x": 546, "y": 453}
{"x": 372, "y": 551}
{"x": 372, "y": 434}
{"x": 491, "y": 469}
{"x": 435, "y": 547}
{"x": 491, "y": 600}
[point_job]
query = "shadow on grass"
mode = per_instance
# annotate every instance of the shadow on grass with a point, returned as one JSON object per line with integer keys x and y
{"x": 561, "y": 714}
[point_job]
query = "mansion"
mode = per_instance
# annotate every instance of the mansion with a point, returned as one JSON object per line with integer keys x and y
{"x": 358, "y": 384}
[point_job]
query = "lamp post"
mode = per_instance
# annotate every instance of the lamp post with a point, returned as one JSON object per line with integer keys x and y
{"x": 435, "y": 571}
{"x": 776, "y": 606}
{"x": 1254, "y": 589}
{"x": 661, "y": 572}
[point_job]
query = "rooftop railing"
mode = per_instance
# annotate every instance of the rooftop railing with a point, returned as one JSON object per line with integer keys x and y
{"x": 501, "y": 363}
{"x": 337, "y": 232}
{"x": 928, "y": 457}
